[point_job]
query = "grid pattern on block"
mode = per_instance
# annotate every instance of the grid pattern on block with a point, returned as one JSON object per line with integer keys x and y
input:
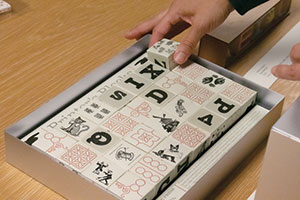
{"x": 238, "y": 93}
{"x": 189, "y": 135}
{"x": 120, "y": 124}
{"x": 197, "y": 93}
{"x": 79, "y": 156}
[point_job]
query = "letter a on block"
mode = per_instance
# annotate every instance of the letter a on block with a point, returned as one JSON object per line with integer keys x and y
{"x": 224, "y": 107}
{"x": 118, "y": 95}
{"x": 207, "y": 119}
{"x": 158, "y": 95}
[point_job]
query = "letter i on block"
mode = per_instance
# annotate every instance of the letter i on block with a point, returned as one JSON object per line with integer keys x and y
{"x": 161, "y": 53}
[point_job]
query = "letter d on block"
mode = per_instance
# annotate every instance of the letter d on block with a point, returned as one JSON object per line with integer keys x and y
{"x": 224, "y": 107}
{"x": 158, "y": 95}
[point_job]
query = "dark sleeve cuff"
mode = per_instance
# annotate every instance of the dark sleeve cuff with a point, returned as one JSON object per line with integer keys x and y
{"x": 243, "y": 6}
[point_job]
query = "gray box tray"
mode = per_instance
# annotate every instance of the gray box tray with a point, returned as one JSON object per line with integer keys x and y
{"x": 69, "y": 184}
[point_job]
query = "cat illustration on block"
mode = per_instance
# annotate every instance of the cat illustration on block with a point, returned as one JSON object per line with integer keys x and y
{"x": 76, "y": 127}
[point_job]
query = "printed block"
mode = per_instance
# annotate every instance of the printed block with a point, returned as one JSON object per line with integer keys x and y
{"x": 173, "y": 82}
{"x": 144, "y": 137}
{"x": 147, "y": 173}
{"x": 119, "y": 124}
{"x": 134, "y": 84}
{"x": 78, "y": 157}
{"x": 140, "y": 61}
{"x": 101, "y": 140}
{"x": 156, "y": 165}
{"x": 144, "y": 112}
{"x": 116, "y": 97}
{"x": 213, "y": 81}
{"x": 112, "y": 81}
{"x": 130, "y": 186}
{"x": 240, "y": 94}
{"x": 52, "y": 142}
{"x": 94, "y": 110}
{"x": 157, "y": 95}
{"x": 197, "y": 93}
{"x": 139, "y": 110}
{"x": 209, "y": 123}
{"x": 77, "y": 127}
{"x": 70, "y": 122}
{"x": 4, "y": 7}
{"x": 191, "y": 70}
{"x": 151, "y": 71}
{"x": 125, "y": 155}
{"x": 189, "y": 135}
{"x": 171, "y": 151}
{"x": 222, "y": 106}
{"x": 162, "y": 52}
{"x": 103, "y": 172}
{"x": 163, "y": 122}
{"x": 206, "y": 120}
{"x": 155, "y": 171}
{"x": 181, "y": 107}
{"x": 192, "y": 137}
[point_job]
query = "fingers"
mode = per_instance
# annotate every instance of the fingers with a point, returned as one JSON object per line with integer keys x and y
{"x": 145, "y": 27}
{"x": 187, "y": 44}
{"x": 290, "y": 72}
{"x": 163, "y": 28}
{"x": 295, "y": 54}
{"x": 177, "y": 29}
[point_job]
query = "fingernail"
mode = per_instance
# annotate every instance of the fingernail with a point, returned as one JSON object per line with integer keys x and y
{"x": 179, "y": 57}
{"x": 274, "y": 71}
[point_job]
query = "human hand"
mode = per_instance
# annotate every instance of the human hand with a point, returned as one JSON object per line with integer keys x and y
{"x": 290, "y": 72}
{"x": 202, "y": 16}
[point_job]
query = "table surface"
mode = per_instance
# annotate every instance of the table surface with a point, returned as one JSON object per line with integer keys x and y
{"x": 46, "y": 46}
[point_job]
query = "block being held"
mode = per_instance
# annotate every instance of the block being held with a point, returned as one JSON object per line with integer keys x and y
{"x": 162, "y": 52}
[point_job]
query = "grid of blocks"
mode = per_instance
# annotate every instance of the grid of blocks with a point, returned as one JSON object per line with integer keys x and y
{"x": 135, "y": 132}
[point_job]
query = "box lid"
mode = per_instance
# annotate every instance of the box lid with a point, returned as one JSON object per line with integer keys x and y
{"x": 289, "y": 122}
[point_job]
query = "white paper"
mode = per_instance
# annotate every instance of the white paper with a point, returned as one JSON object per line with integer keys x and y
{"x": 260, "y": 73}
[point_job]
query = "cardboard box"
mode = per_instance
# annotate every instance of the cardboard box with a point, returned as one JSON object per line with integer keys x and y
{"x": 230, "y": 40}
{"x": 69, "y": 183}
{"x": 279, "y": 177}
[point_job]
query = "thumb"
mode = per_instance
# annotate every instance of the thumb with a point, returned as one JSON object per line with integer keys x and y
{"x": 290, "y": 72}
{"x": 189, "y": 42}
{"x": 295, "y": 54}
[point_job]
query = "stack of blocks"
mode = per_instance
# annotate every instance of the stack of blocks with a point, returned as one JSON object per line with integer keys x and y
{"x": 135, "y": 132}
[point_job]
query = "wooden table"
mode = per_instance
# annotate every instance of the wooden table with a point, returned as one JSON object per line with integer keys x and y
{"x": 46, "y": 46}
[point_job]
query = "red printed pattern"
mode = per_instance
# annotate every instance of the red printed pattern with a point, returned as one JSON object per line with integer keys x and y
{"x": 78, "y": 156}
{"x": 189, "y": 135}
{"x": 197, "y": 93}
{"x": 134, "y": 187}
{"x": 238, "y": 93}
{"x": 146, "y": 138}
{"x": 120, "y": 124}
{"x": 192, "y": 71}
